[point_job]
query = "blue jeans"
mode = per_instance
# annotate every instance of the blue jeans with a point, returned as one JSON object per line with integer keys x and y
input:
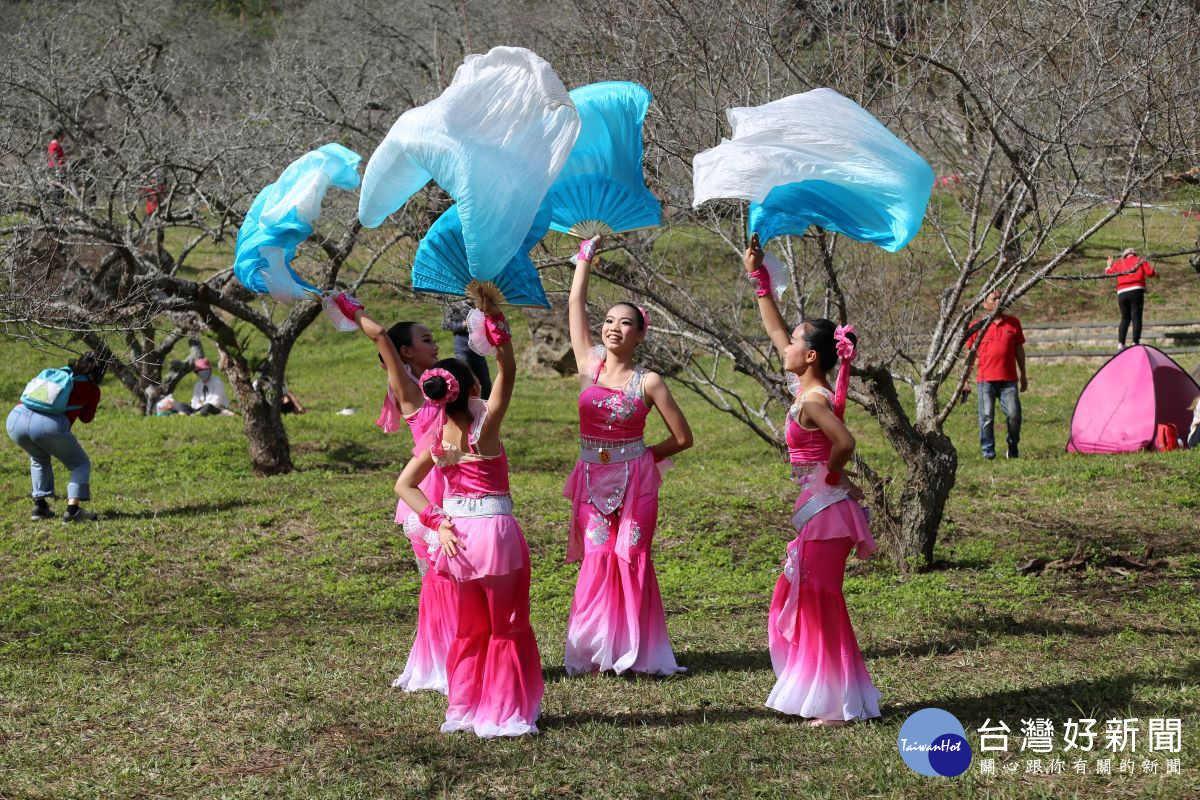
{"x": 1010, "y": 404}
{"x": 46, "y": 435}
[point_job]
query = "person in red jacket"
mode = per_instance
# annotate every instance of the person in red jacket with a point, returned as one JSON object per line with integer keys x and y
{"x": 45, "y": 436}
{"x": 1131, "y": 272}
{"x": 56, "y": 166}
{"x": 1001, "y": 356}
{"x": 56, "y": 156}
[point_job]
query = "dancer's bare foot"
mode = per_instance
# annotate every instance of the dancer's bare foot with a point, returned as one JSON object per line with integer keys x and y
{"x": 827, "y": 723}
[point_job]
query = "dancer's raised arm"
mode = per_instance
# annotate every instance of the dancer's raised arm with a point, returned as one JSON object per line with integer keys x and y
{"x": 581, "y": 334}
{"x": 406, "y": 391}
{"x": 772, "y": 320}
{"x": 499, "y": 336}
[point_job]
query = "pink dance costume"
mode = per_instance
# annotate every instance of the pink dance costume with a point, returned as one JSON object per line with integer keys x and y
{"x": 617, "y": 621}
{"x": 436, "y": 605}
{"x": 818, "y": 665}
{"x": 494, "y": 667}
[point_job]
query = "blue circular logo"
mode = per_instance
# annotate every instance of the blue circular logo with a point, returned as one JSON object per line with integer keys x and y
{"x": 933, "y": 742}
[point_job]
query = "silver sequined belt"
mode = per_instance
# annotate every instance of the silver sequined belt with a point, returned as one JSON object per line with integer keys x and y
{"x": 597, "y": 451}
{"x": 800, "y": 472}
{"x": 490, "y": 505}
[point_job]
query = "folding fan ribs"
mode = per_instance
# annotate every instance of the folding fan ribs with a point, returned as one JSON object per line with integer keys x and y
{"x": 441, "y": 265}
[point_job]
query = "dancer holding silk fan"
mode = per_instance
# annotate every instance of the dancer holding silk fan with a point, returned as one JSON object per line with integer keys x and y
{"x": 617, "y": 621}
{"x": 493, "y": 667}
{"x": 818, "y": 665}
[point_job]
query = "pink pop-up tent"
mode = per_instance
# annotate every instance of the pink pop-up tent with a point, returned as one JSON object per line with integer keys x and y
{"x": 1122, "y": 405}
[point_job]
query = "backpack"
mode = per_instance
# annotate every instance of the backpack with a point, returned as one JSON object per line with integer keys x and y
{"x": 50, "y": 391}
{"x": 1166, "y": 437}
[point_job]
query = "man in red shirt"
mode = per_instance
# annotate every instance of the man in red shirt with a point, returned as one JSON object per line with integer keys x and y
{"x": 1131, "y": 273}
{"x": 1001, "y": 356}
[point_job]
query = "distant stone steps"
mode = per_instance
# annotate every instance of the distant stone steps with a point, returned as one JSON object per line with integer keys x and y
{"x": 1098, "y": 340}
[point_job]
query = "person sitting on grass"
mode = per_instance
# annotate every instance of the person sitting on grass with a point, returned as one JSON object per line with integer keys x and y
{"x": 208, "y": 396}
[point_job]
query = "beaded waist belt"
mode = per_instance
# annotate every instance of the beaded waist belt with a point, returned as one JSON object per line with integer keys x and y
{"x": 490, "y": 505}
{"x": 598, "y": 451}
{"x": 802, "y": 471}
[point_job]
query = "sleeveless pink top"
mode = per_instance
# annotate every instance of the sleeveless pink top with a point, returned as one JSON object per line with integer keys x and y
{"x": 471, "y": 474}
{"x": 807, "y": 446}
{"x": 471, "y": 478}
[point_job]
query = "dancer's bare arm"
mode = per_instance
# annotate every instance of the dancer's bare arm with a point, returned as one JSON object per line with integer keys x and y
{"x": 772, "y": 319}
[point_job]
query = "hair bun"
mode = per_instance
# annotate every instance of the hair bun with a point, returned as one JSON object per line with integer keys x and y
{"x": 434, "y": 387}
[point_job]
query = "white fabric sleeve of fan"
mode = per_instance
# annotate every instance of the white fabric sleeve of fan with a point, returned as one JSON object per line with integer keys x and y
{"x": 477, "y": 333}
{"x": 781, "y": 276}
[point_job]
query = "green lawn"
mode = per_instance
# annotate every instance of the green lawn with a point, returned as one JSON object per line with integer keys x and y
{"x": 222, "y": 635}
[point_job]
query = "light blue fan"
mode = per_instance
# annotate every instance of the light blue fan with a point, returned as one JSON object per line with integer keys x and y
{"x": 282, "y": 216}
{"x": 601, "y": 188}
{"x": 441, "y": 264}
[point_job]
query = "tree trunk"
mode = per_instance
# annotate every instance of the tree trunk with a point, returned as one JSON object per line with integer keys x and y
{"x": 931, "y": 468}
{"x": 270, "y": 452}
{"x": 931, "y": 463}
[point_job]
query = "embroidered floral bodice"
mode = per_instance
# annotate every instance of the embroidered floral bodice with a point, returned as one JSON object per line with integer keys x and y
{"x": 613, "y": 414}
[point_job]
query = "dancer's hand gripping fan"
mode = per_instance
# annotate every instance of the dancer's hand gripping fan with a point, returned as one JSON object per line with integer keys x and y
{"x": 440, "y": 264}
{"x": 817, "y": 158}
{"x": 282, "y": 216}
{"x": 494, "y": 141}
{"x": 601, "y": 189}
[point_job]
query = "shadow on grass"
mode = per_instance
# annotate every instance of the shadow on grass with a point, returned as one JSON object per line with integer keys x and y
{"x": 1119, "y": 695}
{"x": 667, "y": 719}
{"x": 179, "y": 511}
{"x": 697, "y": 663}
{"x": 1116, "y": 696}
{"x": 704, "y": 662}
{"x": 353, "y": 457}
{"x": 975, "y": 632}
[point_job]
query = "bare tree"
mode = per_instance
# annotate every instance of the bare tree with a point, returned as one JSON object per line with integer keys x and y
{"x": 1049, "y": 118}
{"x": 172, "y": 123}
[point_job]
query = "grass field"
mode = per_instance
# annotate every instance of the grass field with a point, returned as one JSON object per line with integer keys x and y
{"x": 222, "y": 635}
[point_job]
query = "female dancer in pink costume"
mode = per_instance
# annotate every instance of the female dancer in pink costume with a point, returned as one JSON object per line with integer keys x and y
{"x": 617, "y": 619}
{"x": 406, "y": 350}
{"x": 820, "y": 669}
{"x": 494, "y": 668}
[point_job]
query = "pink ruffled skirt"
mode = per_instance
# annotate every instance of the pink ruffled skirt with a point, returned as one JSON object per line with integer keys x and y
{"x": 818, "y": 665}
{"x": 437, "y": 617}
{"x": 494, "y": 669}
{"x": 617, "y": 621}
{"x": 437, "y": 605}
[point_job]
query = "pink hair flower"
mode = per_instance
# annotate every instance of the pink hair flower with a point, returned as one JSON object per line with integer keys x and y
{"x": 845, "y": 347}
